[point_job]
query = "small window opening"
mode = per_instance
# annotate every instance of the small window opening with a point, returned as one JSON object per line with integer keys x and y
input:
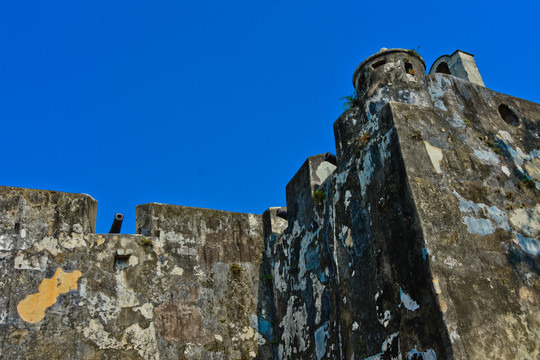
{"x": 443, "y": 68}
{"x": 121, "y": 259}
{"x": 409, "y": 69}
{"x": 508, "y": 115}
{"x": 378, "y": 63}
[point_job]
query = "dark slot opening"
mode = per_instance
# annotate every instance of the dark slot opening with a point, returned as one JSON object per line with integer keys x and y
{"x": 378, "y": 63}
{"x": 443, "y": 68}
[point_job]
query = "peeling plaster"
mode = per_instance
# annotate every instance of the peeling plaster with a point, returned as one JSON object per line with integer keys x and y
{"x": 36, "y": 263}
{"x": 134, "y": 337}
{"x": 527, "y": 221}
{"x": 435, "y": 155}
{"x": 487, "y": 157}
{"x": 295, "y": 327}
{"x": 482, "y": 226}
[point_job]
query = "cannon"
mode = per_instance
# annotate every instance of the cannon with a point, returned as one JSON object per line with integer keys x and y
{"x": 331, "y": 158}
{"x": 281, "y": 213}
{"x": 117, "y": 224}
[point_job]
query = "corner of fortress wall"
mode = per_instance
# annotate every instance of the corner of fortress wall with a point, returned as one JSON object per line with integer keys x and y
{"x": 421, "y": 242}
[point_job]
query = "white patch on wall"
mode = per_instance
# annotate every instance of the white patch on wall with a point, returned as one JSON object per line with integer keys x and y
{"x": 487, "y": 157}
{"x": 177, "y": 271}
{"x": 364, "y": 175}
{"x": 35, "y": 263}
{"x": 385, "y": 319}
{"x": 435, "y": 155}
{"x": 254, "y": 225}
{"x": 324, "y": 170}
{"x": 407, "y": 302}
{"x": 279, "y": 281}
{"x": 247, "y": 333}
{"x": 318, "y": 290}
{"x": 146, "y": 310}
{"x": 3, "y": 316}
{"x": 307, "y": 239}
{"x": 527, "y": 221}
{"x": 451, "y": 262}
{"x": 341, "y": 178}
{"x": 454, "y": 336}
{"x": 366, "y": 163}
{"x": 480, "y": 218}
{"x": 295, "y": 327}
{"x": 6, "y": 244}
{"x": 142, "y": 340}
{"x": 457, "y": 122}
{"x": 347, "y": 200}
{"x": 479, "y": 226}
{"x": 436, "y": 92}
{"x": 98, "y": 303}
{"x": 505, "y": 170}
{"x": 504, "y": 135}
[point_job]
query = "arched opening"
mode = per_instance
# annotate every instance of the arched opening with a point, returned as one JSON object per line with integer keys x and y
{"x": 443, "y": 68}
{"x": 378, "y": 63}
{"x": 409, "y": 68}
{"x": 508, "y": 115}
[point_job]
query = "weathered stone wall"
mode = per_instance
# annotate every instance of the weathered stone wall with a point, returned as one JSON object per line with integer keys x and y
{"x": 188, "y": 289}
{"x": 422, "y": 242}
{"x": 426, "y": 245}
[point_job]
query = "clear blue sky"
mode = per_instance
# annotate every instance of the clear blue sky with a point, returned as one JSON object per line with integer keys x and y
{"x": 214, "y": 104}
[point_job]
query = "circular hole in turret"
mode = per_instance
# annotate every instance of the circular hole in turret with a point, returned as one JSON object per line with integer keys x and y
{"x": 508, "y": 115}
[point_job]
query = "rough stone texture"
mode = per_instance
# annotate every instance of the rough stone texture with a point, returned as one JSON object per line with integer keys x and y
{"x": 427, "y": 243}
{"x": 172, "y": 295}
{"x": 423, "y": 243}
{"x": 460, "y": 64}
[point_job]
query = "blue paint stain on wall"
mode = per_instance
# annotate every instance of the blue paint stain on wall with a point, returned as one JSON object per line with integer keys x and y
{"x": 266, "y": 329}
{"x": 320, "y": 340}
{"x": 479, "y": 226}
{"x": 530, "y": 245}
{"x": 407, "y": 301}
{"x": 414, "y": 354}
{"x": 313, "y": 259}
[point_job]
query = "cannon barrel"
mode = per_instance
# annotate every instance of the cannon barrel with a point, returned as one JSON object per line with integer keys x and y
{"x": 281, "y": 213}
{"x": 117, "y": 224}
{"x": 331, "y": 158}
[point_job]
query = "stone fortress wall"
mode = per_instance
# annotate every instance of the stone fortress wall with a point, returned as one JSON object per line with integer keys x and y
{"x": 419, "y": 241}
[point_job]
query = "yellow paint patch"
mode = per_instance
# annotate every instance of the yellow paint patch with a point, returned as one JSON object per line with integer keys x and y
{"x": 32, "y": 308}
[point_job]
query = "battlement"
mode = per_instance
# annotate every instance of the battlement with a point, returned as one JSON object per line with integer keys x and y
{"x": 420, "y": 240}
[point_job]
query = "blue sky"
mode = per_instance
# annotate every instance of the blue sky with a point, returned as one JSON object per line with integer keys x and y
{"x": 214, "y": 104}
